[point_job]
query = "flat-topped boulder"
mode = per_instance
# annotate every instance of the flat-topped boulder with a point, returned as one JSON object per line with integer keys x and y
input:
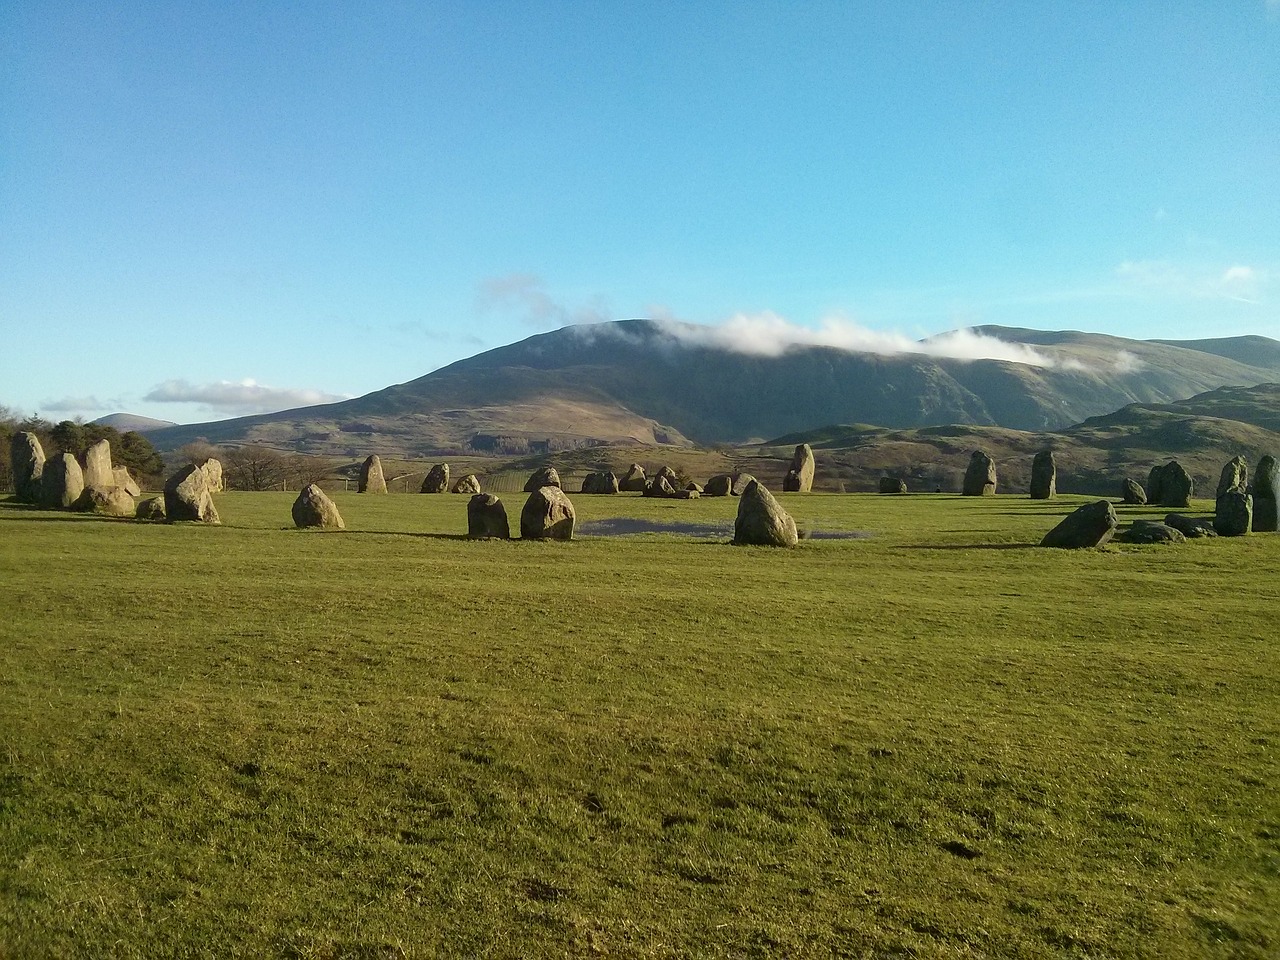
{"x": 799, "y": 478}
{"x": 634, "y": 479}
{"x": 1152, "y": 531}
{"x": 487, "y": 518}
{"x": 61, "y": 482}
{"x": 1170, "y": 485}
{"x": 1044, "y": 476}
{"x": 761, "y": 521}
{"x": 980, "y": 476}
{"x": 26, "y": 457}
{"x": 542, "y": 477}
{"x": 1091, "y": 525}
{"x": 187, "y": 497}
{"x": 314, "y": 508}
{"x": 436, "y": 480}
{"x": 109, "y": 501}
{"x": 97, "y": 465}
{"x": 372, "y": 479}
{"x": 1131, "y": 492}
{"x": 547, "y": 515}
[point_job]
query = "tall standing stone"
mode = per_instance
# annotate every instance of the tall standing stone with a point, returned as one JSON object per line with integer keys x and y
{"x": 212, "y": 469}
{"x": 1169, "y": 485}
{"x": 97, "y": 465}
{"x": 1131, "y": 492}
{"x": 634, "y": 480}
{"x": 314, "y": 508}
{"x": 27, "y": 459}
{"x": 1235, "y": 476}
{"x": 1044, "y": 476}
{"x": 547, "y": 515}
{"x": 799, "y": 478}
{"x": 437, "y": 479}
{"x": 61, "y": 482}
{"x": 980, "y": 477}
{"x": 487, "y": 517}
{"x": 187, "y": 496}
{"x": 761, "y": 521}
{"x": 1266, "y": 482}
{"x": 371, "y": 479}
{"x": 1234, "y": 514}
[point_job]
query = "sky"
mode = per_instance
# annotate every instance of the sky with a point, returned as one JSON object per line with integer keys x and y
{"x": 214, "y": 209}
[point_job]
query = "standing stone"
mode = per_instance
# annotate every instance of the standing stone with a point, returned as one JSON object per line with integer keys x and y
{"x": 61, "y": 482}
{"x": 1131, "y": 492}
{"x": 150, "y": 509}
{"x": 487, "y": 518}
{"x": 1235, "y": 476}
{"x": 111, "y": 501}
{"x": 212, "y": 469}
{"x": 669, "y": 475}
{"x": 1091, "y": 525}
{"x": 893, "y": 485}
{"x": 372, "y": 479}
{"x": 1234, "y": 516}
{"x": 1266, "y": 480}
{"x": 187, "y": 496}
{"x": 980, "y": 477}
{"x": 1169, "y": 485}
{"x": 313, "y": 508}
{"x": 542, "y": 477}
{"x": 600, "y": 482}
{"x": 469, "y": 484}
{"x": 547, "y": 515}
{"x": 634, "y": 480}
{"x": 659, "y": 486}
{"x": 97, "y": 465}
{"x": 721, "y": 485}
{"x": 761, "y": 521}
{"x": 740, "y": 483}
{"x": 122, "y": 478}
{"x": 1044, "y": 476}
{"x": 436, "y": 480}
{"x": 799, "y": 478}
{"x": 27, "y": 459}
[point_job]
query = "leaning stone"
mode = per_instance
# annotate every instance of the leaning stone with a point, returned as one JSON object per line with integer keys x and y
{"x": 372, "y": 479}
{"x": 313, "y": 508}
{"x": 436, "y": 480}
{"x": 1131, "y": 492}
{"x": 109, "y": 501}
{"x": 761, "y": 521}
{"x": 97, "y": 465}
{"x": 470, "y": 484}
{"x": 740, "y": 483}
{"x": 1191, "y": 527}
{"x": 1044, "y": 476}
{"x": 487, "y": 518}
{"x": 61, "y": 482}
{"x": 542, "y": 477}
{"x": 547, "y": 515}
{"x": 634, "y": 480}
{"x": 187, "y": 496}
{"x": 721, "y": 485}
{"x": 980, "y": 476}
{"x": 1235, "y": 477}
{"x": 893, "y": 485}
{"x": 1091, "y": 525}
{"x": 26, "y": 457}
{"x": 1234, "y": 516}
{"x": 1152, "y": 531}
{"x": 1169, "y": 485}
{"x": 799, "y": 478}
{"x": 150, "y": 509}
{"x": 122, "y": 478}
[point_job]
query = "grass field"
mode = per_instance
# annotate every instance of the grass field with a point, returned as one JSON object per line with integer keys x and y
{"x": 935, "y": 741}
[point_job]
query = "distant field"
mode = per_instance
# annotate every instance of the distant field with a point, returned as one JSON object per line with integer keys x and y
{"x": 932, "y": 741}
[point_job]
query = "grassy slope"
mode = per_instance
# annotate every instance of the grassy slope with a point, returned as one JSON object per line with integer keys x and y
{"x": 934, "y": 742}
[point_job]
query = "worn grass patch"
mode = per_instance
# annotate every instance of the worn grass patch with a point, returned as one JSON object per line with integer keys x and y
{"x": 935, "y": 741}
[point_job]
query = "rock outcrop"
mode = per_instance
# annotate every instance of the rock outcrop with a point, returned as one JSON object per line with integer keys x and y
{"x": 761, "y": 521}
{"x": 314, "y": 508}
{"x": 547, "y": 515}
{"x": 1091, "y": 525}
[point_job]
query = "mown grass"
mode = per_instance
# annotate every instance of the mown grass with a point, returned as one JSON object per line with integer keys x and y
{"x": 937, "y": 741}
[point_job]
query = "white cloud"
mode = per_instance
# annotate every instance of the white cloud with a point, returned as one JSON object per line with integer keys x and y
{"x": 239, "y": 398}
{"x": 1238, "y": 274}
{"x": 1126, "y": 362}
{"x": 526, "y": 293}
{"x": 88, "y": 404}
{"x": 1162, "y": 278}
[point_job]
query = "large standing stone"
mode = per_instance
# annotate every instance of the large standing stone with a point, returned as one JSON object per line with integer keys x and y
{"x": 761, "y": 521}
{"x": 487, "y": 517}
{"x": 212, "y": 468}
{"x": 1091, "y": 525}
{"x": 893, "y": 485}
{"x": 110, "y": 501}
{"x": 1266, "y": 481}
{"x": 740, "y": 483}
{"x": 799, "y": 478}
{"x": 1169, "y": 485}
{"x": 313, "y": 508}
{"x": 980, "y": 476}
{"x": 27, "y": 459}
{"x": 1152, "y": 531}
{"x": 469, "y": 484}
{"x": 123, "y": 479}
{"x": 97, "y": 465}
{"x": 547, "y": 515}
{"x": 1044, "y": 476}
{"x": 721, "y": 485}
{"x": 600, "y": 482}
{"x": 436, "y": 480}
{"x": 187, "y": 496}
{"x": 1235, "y": 476}
{"x": 1234, "y": 516}
{"x": 1191, "y": 526}
{"x": 542, "y": 477}
{"x": 1131, "y": 492}
{"x": 61, "y": 482}
{"x": 669, "y": 475}
{"x": 634, "y": 480}
{"x": 372, "y": 479}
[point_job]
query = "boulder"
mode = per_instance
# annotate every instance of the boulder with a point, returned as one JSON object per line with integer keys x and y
{"x": 1131, "y": 492}
{"x": 1266, "y": 480}
{"x": 686, "y": 494}
{"x": 27, "y": 459}
{"x": 740, "y": 483}
{"x": 547, "y": 515}
{"x": 1169, "y": 485}
{"x": 372, "y": 479}
{"x": 799, "y": 478}
{"x": 150, "y": 509}
{"x": 669, "y": 475}
{"x": 97, "y": 465}
{"x": 212, "y": 468}
{"x": 470, "y": 484}
{"x": 1091, "y": 525}
{"x": 761, "y": 521}
{"x": 980, "y": 476}
{"x": 122, "y": 478}
{"x": 600, "y": 482}
{"x": 1152, "y": 531}
{"x": 61, "y": 482}
{"x": 659, "y": 486}
{"x": 110, "y": 501}
{"x": 1191, "y": 527}
{"x": 542, "y": 477}
{"x": 1234, "y": 516}
{"x": 893, "y": 485}
{"x": 187, "y": 496}
{"x": 436, "y": 480}
{"x": 1235, "y": 477}
{"x": 487, "y": 518}
{"x": 1044, "y": 476}
{"x": 694, "y": 486}
{"x": 313, "y": 508}
{"x": 634, "y": 480}
{"x": 721, "y": 485}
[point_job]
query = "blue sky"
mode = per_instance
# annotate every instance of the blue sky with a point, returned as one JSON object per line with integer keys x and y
{"x": 209, "y": 209}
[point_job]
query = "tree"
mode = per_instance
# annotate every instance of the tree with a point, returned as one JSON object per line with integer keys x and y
{"x": 254, "y": 467}
{"x": 69, "y": 437}
{"x": 136, "y": 452}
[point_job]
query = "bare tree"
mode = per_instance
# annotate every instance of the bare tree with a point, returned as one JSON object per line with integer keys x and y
{"x": 254, "y": 467}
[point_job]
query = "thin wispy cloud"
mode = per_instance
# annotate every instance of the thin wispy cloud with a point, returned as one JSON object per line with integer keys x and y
{"x": 1239, "y": 282}
{"x": 239, "y": 398}
{"x": 84, "y": 404}
{"x": 525, "y": 294}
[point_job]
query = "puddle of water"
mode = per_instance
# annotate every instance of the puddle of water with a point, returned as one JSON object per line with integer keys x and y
{"x": 628, "y": 526}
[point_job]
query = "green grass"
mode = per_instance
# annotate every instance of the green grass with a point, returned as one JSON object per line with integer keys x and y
{"x": 937, "y": 741}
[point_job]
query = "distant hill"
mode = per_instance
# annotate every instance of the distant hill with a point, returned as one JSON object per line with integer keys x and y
{"x": 646, "y": 382}
{"x": 129, "y": 422}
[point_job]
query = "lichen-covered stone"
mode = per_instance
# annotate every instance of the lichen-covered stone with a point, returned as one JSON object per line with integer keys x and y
{"x": 372, "y": 479}
{"x": 314, "y": 508}
{"x": 547, "y": 515}
{"x": 761, "y": 521}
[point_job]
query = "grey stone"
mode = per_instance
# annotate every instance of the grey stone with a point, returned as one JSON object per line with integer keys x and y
{"x": 1091, "y": 525}
{"x": 721, "y": 485}
{"x": 1234, "y": 516}
{"x": 61, "y": 482}
{"x": 436, "y": 480}
{"x": 1044, "y": 476}
{"x": 694, "y": 486}
{"x": 761, "y": 521}
{"x": 740, "y": 483}
{"x": 111, "y": 501}
{"x": 97, "y": 465}
{"x": 1266, "y": 480}
{"x": 372, "y": 479}
{"x": 893, "y": 485}
{"x": 26, "y": 457}
{"x": 1152, "y": 531}
{"x": 470, "y": 484}
{"x": 542, "y": 477}
{"x": 122, "y": 478}
{"x": 799, "y": 478}
{"x": 980, "y": 476}
{"x": 187, "y": 496}
{"x": 1234, "y": 478}
{"x": 150, "y": 509}
{"x": 1169, "y": 485}
{"x": 487, "y": 518}
{"x": 212, "y": 468}
{"x": 659, "y": 486}
{"x": 600, "y": 482}
{"x": 634, "y": 480}
{"x": 1131, "y": 492}
{"x": 547, "y": 515}
{"x": 313, "y": 508}
{"x": 1191, "y": 527}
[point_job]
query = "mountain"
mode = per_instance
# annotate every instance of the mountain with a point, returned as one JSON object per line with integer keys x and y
{"x": 127, "y": 422}
{"x": 644, "y": 381}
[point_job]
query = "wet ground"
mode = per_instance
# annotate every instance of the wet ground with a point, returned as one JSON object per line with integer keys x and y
{"x": 628, "y": 526}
